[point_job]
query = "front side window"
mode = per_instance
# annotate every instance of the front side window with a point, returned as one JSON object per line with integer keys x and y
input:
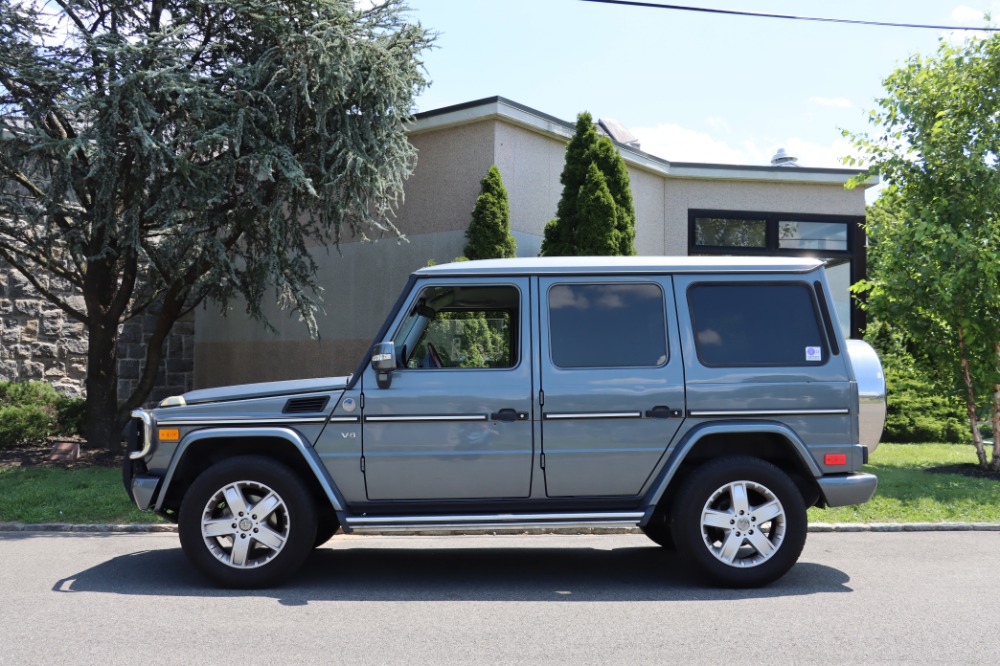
{"x": 740, "y": 325}
{"x": 607, "y": 325}
{"x": 461, "y": 327}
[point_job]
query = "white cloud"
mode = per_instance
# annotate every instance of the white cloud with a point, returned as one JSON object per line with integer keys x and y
{"x": 680, "y": 144}
{"x": 837, "y": 102}
{"x": 967, "y": 15}
{"x": 718, "y": 124}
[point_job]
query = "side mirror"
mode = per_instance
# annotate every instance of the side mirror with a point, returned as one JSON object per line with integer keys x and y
{"x": 384, "y": 362}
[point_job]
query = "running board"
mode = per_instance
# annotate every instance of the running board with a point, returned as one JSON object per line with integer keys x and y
{"x": 445, "y": 523}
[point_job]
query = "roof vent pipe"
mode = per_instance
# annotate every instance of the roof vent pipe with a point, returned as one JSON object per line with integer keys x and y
{"x": 783, "y": 159}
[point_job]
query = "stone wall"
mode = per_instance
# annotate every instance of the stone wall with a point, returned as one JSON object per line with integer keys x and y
{"x": 38, "y": 341}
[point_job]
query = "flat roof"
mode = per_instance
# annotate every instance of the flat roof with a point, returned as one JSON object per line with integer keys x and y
{"x": 538, "y": 121}
{"x": 622, "y": 265}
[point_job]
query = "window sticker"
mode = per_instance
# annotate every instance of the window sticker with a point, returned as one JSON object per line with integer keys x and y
{"x": 814, "y": 353}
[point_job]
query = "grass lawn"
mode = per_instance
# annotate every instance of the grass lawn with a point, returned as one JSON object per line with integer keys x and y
{"x": 55, "y": 495}
{"x": 906, "y": 493}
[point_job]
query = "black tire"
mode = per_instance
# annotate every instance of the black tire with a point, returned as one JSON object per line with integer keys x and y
{"x": 741, "y": 521}
{"x": 658, "y": 529}
{"x": 247, "y": 522}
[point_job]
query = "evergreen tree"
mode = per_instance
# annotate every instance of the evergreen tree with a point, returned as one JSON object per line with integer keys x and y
{"x": 489, "y": 234}
{"x": 155, "y": 155}
{"x": 597, "y": 233}
{"x": 563, "y": 234}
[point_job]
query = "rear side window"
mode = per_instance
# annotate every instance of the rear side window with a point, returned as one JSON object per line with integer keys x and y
{"x": 607, "y": 325}
{"x": 738, "y": 325}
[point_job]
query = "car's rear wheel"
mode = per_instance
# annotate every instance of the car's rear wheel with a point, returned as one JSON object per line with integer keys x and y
{"x": 247, "y": 522}
{"x": 741, "y": 521}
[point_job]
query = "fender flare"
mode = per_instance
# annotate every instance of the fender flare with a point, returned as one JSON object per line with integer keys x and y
{"x": 307, "y": 452}
{"x": 699, "y": 432}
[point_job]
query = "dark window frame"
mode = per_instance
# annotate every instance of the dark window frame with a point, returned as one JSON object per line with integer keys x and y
{"x": 591, "y": 283}
{"x": 514, "y": 313}
{"x": 855, "y": 253}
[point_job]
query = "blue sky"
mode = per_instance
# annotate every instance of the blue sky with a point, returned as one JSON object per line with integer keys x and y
{"x": 693, "y": 87}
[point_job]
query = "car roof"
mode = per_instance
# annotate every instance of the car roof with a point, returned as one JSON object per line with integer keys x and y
{"x": 623, "y": 265}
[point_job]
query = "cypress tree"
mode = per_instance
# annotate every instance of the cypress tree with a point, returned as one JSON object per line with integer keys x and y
{"x": 563, "y": 234}
{"x": 489, "y": 234}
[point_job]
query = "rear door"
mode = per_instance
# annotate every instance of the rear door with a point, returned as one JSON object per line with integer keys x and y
{"x": 612, "y": 382}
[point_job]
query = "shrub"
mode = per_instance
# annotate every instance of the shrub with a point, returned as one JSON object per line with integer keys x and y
{"x": 32, "y": 411}
{"x": 918, "y": 410}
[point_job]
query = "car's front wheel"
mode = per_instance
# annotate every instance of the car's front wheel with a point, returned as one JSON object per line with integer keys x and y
{"x": 740, "y": 520}
{"x": 247, "y": 522}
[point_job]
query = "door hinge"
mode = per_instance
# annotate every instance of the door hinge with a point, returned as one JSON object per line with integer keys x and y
{"x": 541, "y": 460}
{"x": 541, "y": 397}
{"x": 362, "y": 464}
{"x": 362, "y": 400}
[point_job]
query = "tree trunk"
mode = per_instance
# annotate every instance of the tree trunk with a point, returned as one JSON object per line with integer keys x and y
{"x": 995, "y": 462}
{"x": 102, "y": 430}
{"x": 970, "y": 402}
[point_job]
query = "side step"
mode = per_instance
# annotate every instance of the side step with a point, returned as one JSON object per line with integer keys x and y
{"x": 445, "y": 523}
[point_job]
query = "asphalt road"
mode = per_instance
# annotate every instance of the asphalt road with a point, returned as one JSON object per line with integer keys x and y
{"x": 855, "y": 598}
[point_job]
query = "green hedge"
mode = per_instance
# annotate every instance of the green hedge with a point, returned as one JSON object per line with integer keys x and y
{"x": 30, "y": 412}
{"x": 918, "y": 410}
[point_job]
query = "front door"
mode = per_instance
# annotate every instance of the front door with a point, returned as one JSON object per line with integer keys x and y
{"x": 612, "y": 382}
{"x": 455, "y": 422}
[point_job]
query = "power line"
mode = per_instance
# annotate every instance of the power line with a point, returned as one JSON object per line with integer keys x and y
{"x": 792, "y": 17}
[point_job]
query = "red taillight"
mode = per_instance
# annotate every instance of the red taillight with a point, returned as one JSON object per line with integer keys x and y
{"x": 835, "y": 459}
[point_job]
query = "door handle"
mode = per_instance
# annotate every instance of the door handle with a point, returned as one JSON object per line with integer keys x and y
{"x": 509, "y": 415}
{"x": 662, "y": 412}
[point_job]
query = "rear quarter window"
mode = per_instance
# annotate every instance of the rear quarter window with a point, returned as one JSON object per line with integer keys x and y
{"x": 756, "y": 324}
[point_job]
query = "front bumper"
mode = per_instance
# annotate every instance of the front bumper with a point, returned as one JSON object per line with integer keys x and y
{"x": 845, "y": 489}
{"x": 140, "y": 486}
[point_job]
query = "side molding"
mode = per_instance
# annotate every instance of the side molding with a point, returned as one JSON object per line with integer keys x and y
{"x": 696, "y": 434}
{"x": 292, "y": 437}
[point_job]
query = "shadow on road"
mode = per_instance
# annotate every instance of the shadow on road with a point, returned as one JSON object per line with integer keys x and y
{"x": 454, "y": 574}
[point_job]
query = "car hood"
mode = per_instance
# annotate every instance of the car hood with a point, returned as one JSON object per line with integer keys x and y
{"x": 266, "y": 389}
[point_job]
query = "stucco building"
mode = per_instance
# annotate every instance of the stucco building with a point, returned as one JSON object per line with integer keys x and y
{"x": 681, "y": 209}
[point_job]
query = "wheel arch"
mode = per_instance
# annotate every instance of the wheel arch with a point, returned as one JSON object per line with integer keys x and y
{"x": 203, "y": 448}
{"x": 770, "y": 441}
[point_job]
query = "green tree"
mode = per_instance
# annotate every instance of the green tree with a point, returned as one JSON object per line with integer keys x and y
{"x": 563, "y": 234}
{"x": 157, "y": 154}
{"x": 936, "y": 142}
{"x": 489, "y": 234}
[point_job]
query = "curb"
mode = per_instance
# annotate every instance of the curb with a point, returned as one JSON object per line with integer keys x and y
{"x": 813, "y": 528}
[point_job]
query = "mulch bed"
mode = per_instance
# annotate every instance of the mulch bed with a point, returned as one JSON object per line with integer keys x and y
{"x": 965, "y": 469}
{"x": 41, "y": 456}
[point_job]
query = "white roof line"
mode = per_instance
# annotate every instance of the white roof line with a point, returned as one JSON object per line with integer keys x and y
{"x": 536, "y": 121}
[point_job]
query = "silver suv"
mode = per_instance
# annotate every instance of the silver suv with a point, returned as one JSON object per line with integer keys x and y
{"x": 708, "y": 402}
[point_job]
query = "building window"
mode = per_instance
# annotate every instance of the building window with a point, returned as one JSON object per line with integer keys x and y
{"x": 723, "y": 232}
{"x": 837, "y": 239}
